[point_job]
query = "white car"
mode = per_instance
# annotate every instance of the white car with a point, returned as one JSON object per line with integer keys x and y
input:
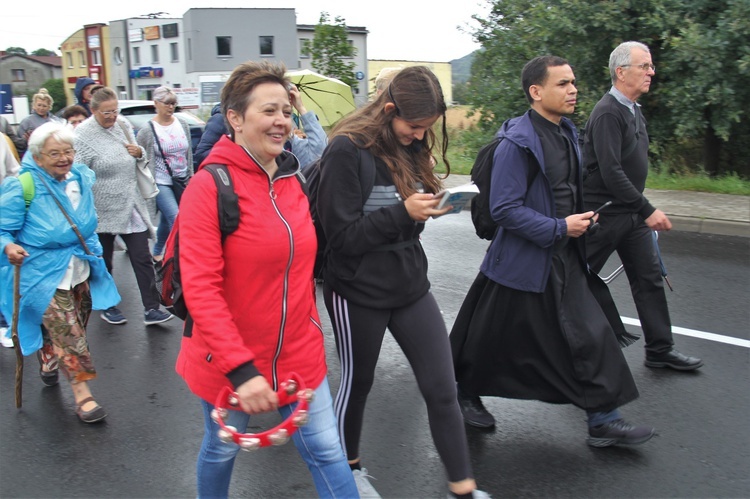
{"x": 138, "y": 112}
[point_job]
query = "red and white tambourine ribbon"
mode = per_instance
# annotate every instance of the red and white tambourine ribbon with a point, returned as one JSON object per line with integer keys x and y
{"x": 290, "y": 391}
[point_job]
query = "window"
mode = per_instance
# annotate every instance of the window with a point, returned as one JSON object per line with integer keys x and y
{"x": 154, "y": 54}
{"x": 136, "y": 56}
{"x": 118, "y": 56}
{"x": 69, "y": 59}
{"x": 18, "y": 75}
{"x": 190, "y": 49}
{"x": 266, "y": 45}
{"x": 96, "y": 60}
{"x": 224, "y": 46}
{"x": 81, "y": 59}
{"x": 304, "y": 46}
{"x": 174, "y": 52}
{"x": 170, "y": 30}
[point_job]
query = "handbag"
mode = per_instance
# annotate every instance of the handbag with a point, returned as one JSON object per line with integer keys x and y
{"x": 144, "y": 177}
{"x": 179, "y": 184}
{"x": 146, "y": 182}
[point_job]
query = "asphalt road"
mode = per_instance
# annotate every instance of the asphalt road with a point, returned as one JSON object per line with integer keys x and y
{"x": 147, "y": 446}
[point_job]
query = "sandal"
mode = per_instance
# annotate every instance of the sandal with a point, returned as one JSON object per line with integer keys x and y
{"x": 49, "y": 377}
{"x": 96, "y": 414}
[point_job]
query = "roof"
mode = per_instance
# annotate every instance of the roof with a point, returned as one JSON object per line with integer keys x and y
{"x": 49, "y": 60}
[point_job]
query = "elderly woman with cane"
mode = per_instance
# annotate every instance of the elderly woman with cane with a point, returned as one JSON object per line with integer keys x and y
{"x": 48, "y": 228}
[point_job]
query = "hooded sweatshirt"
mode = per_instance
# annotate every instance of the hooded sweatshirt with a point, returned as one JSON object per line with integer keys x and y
{"x": 82, "y": 83}
{"x": 252, "y": 298}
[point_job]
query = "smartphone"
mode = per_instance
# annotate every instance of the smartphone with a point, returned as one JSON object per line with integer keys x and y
{"x": 602, "y": 207}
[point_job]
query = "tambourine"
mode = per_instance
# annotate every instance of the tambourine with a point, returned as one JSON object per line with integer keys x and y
{"x": 289, "y": 391}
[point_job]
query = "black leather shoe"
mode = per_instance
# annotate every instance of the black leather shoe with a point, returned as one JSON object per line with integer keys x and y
{"x": 673, "y": 359}
{"x": 474, "y": 412}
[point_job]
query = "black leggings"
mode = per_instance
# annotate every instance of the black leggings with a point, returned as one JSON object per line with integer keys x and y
{"x": 420, "y": 331}
{"x": 140, "y": 259}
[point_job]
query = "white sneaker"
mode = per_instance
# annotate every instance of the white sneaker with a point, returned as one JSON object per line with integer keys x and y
{"x": 5, "y": 339}
{"x": 364, "y": 487}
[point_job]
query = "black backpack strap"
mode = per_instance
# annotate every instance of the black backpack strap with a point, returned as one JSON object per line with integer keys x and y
{"x": 226, "y": 198}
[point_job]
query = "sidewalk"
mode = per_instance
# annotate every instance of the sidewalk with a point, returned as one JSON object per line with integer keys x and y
{"x": 702, "y": 212}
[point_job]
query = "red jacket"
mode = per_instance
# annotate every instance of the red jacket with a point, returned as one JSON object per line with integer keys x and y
{"x": 252, "y": 300}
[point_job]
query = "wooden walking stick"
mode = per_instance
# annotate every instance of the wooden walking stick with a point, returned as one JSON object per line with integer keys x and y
{"x": 14, "y": 334}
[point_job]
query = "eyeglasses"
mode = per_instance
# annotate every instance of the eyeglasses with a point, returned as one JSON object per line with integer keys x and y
{"x": 107, "y": 114}
{"x": 55, "y": 155}
{"x": 643, "y": 67}
{"x": 168, "y": 103}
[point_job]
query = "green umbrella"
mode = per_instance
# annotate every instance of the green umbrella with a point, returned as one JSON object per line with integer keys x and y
{"x": 329, "y": 98}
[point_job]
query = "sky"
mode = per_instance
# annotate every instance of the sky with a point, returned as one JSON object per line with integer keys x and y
{"x": 412, "y": 30}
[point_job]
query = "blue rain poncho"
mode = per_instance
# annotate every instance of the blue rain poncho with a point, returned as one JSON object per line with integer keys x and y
{"x": 48, "y": 238}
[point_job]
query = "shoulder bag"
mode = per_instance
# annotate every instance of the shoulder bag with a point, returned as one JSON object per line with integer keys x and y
{"x": 67, "y": 217}
{"x": 144, "y": 177}
{"x": 179, "y": 184}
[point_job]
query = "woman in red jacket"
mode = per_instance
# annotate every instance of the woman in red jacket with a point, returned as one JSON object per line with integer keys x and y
{"x": 251, "y": 297}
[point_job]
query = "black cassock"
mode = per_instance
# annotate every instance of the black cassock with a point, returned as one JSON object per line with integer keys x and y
{"x": 557, "y": 346}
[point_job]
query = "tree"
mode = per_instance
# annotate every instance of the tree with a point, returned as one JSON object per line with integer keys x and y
{"x": 699, "y": 100}
{"x": 43, "y": 52}
{"x": 16, "y": 50}
{"x": 328, "y": 49}
{"x": 460, "y": 91}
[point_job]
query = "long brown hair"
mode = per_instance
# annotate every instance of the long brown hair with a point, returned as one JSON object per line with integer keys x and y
{"x": 416, "y": 93}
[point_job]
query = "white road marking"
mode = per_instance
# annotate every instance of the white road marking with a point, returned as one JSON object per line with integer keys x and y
{"x": 696, "y": 334}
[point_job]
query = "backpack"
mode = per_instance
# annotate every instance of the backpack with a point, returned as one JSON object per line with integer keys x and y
{"x": 168, "y": 279}
{"x": 29, "y": 190}
{"x": 481, "y": 174}
{"x": 310, "y": 180}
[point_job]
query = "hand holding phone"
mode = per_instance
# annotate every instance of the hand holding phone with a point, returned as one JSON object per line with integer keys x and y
{"x": 595, "y": 225}
{"x": 602, "y": 207}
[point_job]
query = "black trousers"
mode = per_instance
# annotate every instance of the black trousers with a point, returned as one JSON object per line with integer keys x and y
{"x": 140, "y": 259}
{"x": 420, "y": 331}
{"x": 633, "y": 240}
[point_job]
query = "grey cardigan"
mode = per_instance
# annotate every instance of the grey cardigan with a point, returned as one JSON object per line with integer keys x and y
{"x": 115, "y": 190}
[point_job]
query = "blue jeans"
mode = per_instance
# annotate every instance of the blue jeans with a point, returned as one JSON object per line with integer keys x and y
{"x": 317, "y": 442}
{"x": 167, "y": 205}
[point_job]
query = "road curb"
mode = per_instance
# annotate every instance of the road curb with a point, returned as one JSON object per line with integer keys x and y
{"x": 709, "y": 226}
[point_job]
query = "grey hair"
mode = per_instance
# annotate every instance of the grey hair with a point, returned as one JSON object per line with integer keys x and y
{"x": 100, "y": 96}
{"x": 384, "y": 79}
{"x": 61, "y": 132}
{"x": 621, "y": 56}
{"x": 161, "y": 93}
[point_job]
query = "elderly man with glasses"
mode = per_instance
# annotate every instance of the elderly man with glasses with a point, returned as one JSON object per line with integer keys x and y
{"x": 616, "y": 157}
